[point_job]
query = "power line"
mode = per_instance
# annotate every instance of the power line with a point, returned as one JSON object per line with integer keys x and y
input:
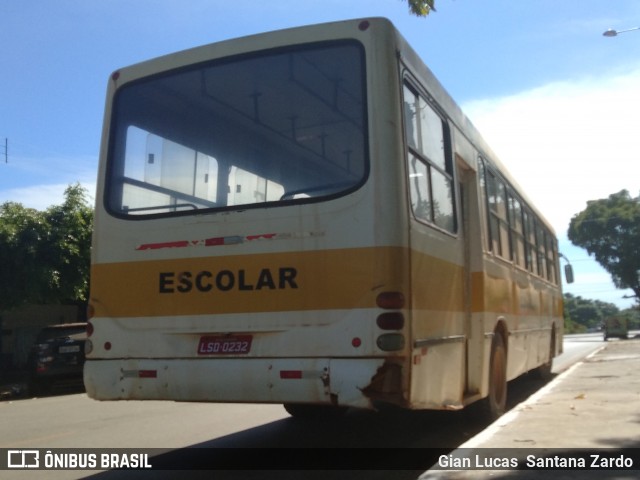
{"x": 590, "y": 292}
{"x": 6, "y": 150}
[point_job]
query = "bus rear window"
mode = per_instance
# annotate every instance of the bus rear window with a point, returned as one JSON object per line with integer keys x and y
{"x": 265, "y": 130}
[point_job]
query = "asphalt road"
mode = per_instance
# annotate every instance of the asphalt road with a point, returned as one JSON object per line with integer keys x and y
{"x": 75, "y": 421}
{"x": 575, "y": 348}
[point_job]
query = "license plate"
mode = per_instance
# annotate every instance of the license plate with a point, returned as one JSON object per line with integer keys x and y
{"x": 225, "y": 345}
{"x": 69, "y": 349}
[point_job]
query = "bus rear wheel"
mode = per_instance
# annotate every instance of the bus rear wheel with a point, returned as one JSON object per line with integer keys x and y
{"x": 495, "y": 404}
{"x": 544, "y": 371}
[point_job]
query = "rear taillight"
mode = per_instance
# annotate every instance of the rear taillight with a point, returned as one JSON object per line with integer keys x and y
{"x": 390, "y": 342}
{"x": 390, "y": 321}
{"x": 393, "y": 320}
{"x": 390, "y": 300}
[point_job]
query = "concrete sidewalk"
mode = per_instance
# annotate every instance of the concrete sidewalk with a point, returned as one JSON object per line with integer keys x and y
{"x": 594, "y": 406}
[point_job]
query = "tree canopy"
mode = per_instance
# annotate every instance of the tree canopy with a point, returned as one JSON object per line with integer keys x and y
{"x": 587, "y": 313}
{"x": 609, "y": 229}
{"x": 421, "y": 8}
{"x": 45, "y": 255}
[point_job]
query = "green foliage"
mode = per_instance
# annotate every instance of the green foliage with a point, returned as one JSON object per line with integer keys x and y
{"x": 632, "y": 315}
{"x": 582, "y": 314}
{"x": 572, "y": 327}
{"x": 45, "y": 256}
{"x": 609, "y": 229}
{"x": 421, "y": 8}
{"x": 21, "y": 232}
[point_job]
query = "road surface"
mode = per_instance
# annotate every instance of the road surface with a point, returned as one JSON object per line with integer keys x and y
{"x": 576, "y": 347}
{"x": 75, "y": 421}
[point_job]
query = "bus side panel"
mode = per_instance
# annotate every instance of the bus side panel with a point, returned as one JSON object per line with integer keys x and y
{"x": 527, "y": 307}
{"x": 438, "y": 321}
{"x": 437, "y": 380}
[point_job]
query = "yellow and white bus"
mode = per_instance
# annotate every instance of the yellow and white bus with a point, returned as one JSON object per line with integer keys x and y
{"x": 306, "y": 217}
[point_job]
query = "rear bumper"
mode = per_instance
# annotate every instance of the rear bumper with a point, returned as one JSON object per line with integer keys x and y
{"x": 290, "y": 380}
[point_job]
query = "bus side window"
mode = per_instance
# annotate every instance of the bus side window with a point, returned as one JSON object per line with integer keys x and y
{"x": 530, "y": 241}
{"x": 482, "y": 178}
{"x": 498, "y": 223}
{"x": 517, "y": 231}
{"x": 430, "y": 164}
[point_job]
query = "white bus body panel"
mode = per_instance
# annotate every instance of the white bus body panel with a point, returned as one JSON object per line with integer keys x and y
{"x": 322, "y": 381}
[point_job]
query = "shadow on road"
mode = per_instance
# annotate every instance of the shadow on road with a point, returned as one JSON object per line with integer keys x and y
{"x": 362, "y": 444}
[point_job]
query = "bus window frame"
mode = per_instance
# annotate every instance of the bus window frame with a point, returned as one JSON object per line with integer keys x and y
{"x": 542, "y": 264}
{"x": 449, "y": 172}
{"x": 111, "y": 184}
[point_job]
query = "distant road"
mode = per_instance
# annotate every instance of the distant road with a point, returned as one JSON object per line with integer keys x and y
{"x": 579, "y": 346}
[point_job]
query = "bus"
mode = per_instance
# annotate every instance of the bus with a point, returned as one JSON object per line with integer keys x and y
{"x": 306, "y": 217}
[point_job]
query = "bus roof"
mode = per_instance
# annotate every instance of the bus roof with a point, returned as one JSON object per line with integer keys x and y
{"x": 353, "y": 28}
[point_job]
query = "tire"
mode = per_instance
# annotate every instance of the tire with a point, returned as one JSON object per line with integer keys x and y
{"x": 39, "y": 387}
{"x": 543, "y": 372}
{"x": 305, "y": 411}
{"x": 495, "y": 404}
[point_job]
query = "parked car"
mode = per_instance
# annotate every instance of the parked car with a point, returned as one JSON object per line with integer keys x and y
{"x": 57, "y": 356}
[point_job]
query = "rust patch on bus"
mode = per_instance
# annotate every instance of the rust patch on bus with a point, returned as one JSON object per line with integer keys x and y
{"x": 386, "y": 385}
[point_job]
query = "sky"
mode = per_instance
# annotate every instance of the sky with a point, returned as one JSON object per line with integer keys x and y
{"x": 557, "y": 101}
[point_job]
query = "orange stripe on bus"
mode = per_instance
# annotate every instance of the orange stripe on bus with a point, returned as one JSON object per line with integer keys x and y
{"x": 292, "y": 281}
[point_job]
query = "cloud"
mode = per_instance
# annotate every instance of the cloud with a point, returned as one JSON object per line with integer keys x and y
{"x": 567, "y": 142}
{"x": 42, "y": 197}
{"x": 39, "y": 181}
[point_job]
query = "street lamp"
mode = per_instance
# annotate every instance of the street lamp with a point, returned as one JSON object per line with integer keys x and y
{"x": 568, "y": 269}
{"x": 614, "y": 33}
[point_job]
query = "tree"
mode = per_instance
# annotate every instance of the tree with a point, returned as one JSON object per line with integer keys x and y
{"x": 421, "y": 8}
{"x": 609, "y": 229}
{"x": 584, "y": 314}
{"x": 45, "y": 256}
{"x": 68, "y": 245}
{"x": 21, "y": 232}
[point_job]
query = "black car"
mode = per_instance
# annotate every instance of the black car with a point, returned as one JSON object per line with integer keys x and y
{"x": 57, "y": 356}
